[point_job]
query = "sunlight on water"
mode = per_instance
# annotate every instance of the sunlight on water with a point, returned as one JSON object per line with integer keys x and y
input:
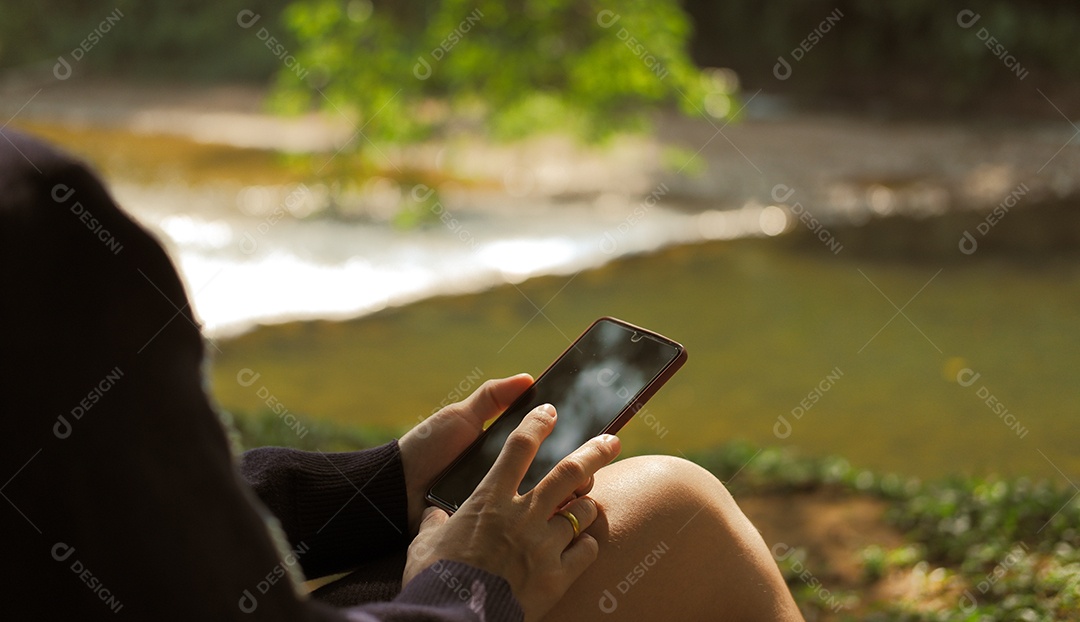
{"x": 231, "y": 294}
{"x": 249, "y": 258}
{"x": 190, "y": 232}
{"x": 518, "y": 259}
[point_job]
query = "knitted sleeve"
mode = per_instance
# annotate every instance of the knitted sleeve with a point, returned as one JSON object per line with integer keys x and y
{"x": 449, "y": 591}
{"x": 337, "y": 507}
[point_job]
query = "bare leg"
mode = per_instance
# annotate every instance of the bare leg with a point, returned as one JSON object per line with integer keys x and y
{"x": 674, "y": 546}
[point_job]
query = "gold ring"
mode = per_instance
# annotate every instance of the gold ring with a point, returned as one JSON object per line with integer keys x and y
{"x": 573, "y": 520}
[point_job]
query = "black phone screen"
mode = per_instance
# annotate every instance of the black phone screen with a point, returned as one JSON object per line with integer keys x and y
{"x": 601, "y": 380}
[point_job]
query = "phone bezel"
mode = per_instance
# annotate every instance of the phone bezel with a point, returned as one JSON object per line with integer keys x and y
{"x": 612, "y": 427}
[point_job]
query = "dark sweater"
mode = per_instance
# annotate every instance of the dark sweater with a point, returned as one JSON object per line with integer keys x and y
{"x": 119, "y": 495}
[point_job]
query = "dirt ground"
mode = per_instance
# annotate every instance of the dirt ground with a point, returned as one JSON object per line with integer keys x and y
{"x": 831, "y": 529}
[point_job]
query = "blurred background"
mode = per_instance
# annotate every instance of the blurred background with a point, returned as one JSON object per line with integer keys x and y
{"x": 859, "y": 217}
{"x": 837, "y": 207}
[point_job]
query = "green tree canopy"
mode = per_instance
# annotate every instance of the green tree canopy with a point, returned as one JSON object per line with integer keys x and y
{"x": 515, "y": 67}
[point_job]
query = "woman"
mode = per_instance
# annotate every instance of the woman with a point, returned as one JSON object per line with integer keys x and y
{"x": 122, "y": 498}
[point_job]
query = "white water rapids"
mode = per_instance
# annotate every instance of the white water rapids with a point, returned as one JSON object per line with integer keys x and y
{"x": 266, "y": 263}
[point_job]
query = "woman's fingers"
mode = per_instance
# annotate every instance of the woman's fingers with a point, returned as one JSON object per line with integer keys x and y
{"x": 582, "y": 510}
{"x": 580, "y": 554}
{"x": 433, "y": 444}
{"x": 584, "y": 489}
{"x": 433, "y": 517}
{"x": 575, "y": 470}
{"x": 421, "y": 550}
{"x": 492, "y": 398}
{"x": 521, "y": 538}
{"x": 583, "y": 549}
{"x": 519, "y": 450}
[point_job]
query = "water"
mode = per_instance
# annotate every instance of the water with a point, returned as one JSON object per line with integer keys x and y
{"x": 252, "y": 238}
{"x": 772, "y": 332}
{"x": 790, "y": 343}
{"x": 248, "y": 258}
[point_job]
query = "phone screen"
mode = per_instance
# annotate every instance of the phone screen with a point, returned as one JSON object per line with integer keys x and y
{"x": 596, "y": 386}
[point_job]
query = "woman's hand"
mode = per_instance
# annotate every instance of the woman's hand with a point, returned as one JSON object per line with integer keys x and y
{"x": 519, "y": 537}
{"x": 432, "y": 445}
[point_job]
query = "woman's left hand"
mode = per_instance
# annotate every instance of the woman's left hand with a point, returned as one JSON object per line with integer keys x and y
{"x": 432, "y": 445}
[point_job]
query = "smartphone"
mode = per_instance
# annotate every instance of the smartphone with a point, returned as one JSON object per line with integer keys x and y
{"x": 596, "y": 385}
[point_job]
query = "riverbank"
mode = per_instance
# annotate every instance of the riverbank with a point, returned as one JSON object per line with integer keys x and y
{"x": 255, "y": 208}
{"x": 840, "y": 167}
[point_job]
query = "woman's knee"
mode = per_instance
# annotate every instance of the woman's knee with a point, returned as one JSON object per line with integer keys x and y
{"x": 662, "y": 516}
{"x": 666, "y": 485}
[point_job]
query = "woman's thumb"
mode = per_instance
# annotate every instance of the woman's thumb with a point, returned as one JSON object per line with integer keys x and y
{"x": 432, "y": 518}
{"x": 422, "y": 549}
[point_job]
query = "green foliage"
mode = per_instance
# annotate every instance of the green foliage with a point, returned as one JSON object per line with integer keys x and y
{"x": 513, "y": 68}
{"x": 682, "y": 161}
{"x": 877, "y": 561}
{"x": 903, "y": 50}
{"x": 161, "y": 38}
{"x": 267, "y": 429}
{"x": 909, "y": 51}
{"x": 1013, "y": 546}
{"x": 1015, "y": 542}
{"x": 745, "y": 468}
{"x": 978, "y": 520}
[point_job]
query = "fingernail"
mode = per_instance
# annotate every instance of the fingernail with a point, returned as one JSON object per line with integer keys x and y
{"x": 546, "y": 409}
{"x": 608, "y": 439}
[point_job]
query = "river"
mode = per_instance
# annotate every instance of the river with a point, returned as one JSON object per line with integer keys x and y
{"x": 884, "y": 343}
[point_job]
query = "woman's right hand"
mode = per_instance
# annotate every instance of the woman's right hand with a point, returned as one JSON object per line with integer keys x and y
{"x": 519, "y": 537}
